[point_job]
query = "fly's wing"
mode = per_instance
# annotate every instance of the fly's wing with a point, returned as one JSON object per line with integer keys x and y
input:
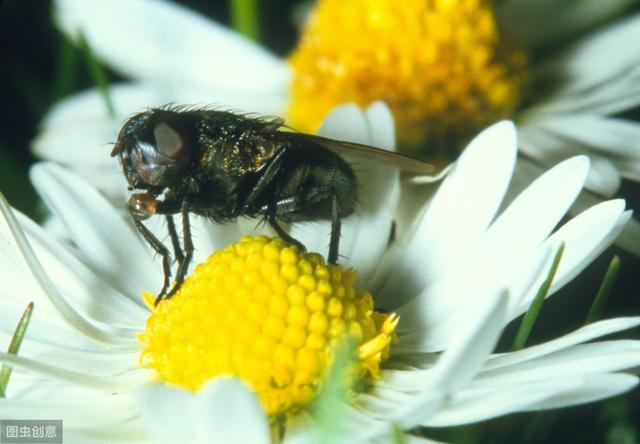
{"x": 403, "y": 163}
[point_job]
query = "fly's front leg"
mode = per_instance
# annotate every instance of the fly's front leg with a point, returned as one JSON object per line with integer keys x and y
{"x": 162, "y": 251}
{"x": 336, "y": 225}
{"x": 187, "y": 241}
{"x": 175, "y": 240}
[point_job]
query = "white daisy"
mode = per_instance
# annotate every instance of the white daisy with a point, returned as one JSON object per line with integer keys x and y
{"x": 447, "y": 281}
{"x": 174, "y": 55}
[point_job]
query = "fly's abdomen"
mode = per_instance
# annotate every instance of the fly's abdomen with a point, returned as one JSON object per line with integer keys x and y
{"x": 308, "y": 181}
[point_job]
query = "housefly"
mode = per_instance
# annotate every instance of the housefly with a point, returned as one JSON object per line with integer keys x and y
{"x": 223, "y": 165}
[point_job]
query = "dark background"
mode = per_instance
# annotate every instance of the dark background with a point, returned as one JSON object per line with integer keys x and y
{"x": 31, "y": 80}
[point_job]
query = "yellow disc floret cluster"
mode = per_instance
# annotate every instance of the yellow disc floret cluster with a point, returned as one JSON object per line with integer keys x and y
{"x": 269, "y": 314}
{"x": 439, "y": 64}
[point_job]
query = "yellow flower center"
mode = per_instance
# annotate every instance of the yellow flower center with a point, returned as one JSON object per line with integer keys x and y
{"x": 439, "y": 64}
{"x": 269, "y": 314}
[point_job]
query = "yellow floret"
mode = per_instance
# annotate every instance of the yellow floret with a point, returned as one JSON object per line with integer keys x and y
{"x": 263, "y": 311}
{"x": 441, "y": 65}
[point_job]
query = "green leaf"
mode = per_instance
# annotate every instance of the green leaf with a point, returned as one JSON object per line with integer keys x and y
{"x": 65, "y": 77}
{"x": 14, "y": 347}
{"x": 330, "y": 405}
{"x": 98, "y": 74}
{"x": 398, "y": 435}
{"x": 244, "y": 18}
{"x": 531, "y": 315}
{"x": 595, "y": 312}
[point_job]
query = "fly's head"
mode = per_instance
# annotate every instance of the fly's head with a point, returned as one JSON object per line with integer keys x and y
{"x": 155, "y": 150}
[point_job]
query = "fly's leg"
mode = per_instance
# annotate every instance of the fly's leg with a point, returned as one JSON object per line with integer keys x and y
{"x": 162, "y": 251}
{"x": 283, "y": 234}
{"x": 295, "y": 203}
{"x": 270, "y": 172}
{"x": 175, "y": 240}
{"x": 336, "y": 224}
{"x": 187, "y": 241}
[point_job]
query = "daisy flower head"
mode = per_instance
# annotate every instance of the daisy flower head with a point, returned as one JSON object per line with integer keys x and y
{"x": 446, "y": 68}
{"x": 426, "y": 308}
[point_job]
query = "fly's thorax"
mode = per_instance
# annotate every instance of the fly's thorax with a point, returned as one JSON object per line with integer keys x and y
{"x": 234, "y": 146}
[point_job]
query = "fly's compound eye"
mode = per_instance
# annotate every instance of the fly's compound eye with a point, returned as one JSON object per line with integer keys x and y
{"x": 160, "y": 157}
{"x": 169, "y": 142}
{"x": 142, "y": 205}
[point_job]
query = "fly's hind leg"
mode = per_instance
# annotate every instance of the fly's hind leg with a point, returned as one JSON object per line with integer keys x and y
{"x": 283, "y": 234}
{"x": 336, "y": 225}
{"x": 296, "y": 204}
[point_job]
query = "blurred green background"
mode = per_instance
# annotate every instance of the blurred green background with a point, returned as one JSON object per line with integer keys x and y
{"x": 33, "y": 55}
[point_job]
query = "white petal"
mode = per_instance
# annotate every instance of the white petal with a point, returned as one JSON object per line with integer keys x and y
{"x": 129, "y": 432}
{"x": 616, "y": 139}
{"x": 110, "y": 246}
{"x": 580, "y": 65}
{"x": 612, "y": 97}
{"x": 629, "y": 239}
{"x": 105, "y": 333}
{"x": 346, "y": 122}
{"x": 526, "y": 170}
{"x": 454, "y": 369}
{"x": 584, "y": 237}
{"x": 208, "y": 236}
{"x": 473, "y": 405}
{"x": 457, "y": 365}
{"x": 469, "y": 349}
{"x": 114, "y": 382}
{"x": 574, "y": 361}
{"x": 76, "y": 413}
{"x": 547, "y": 148}
{"x": 94, "y": 297}
{"x": 470, "y": 195}
{"x": 511, "y": 239}
{"x": 170, "y": 413}
{"x": 230, "y": 412}
{"x": 381, "y": 126}
{"x": 593, "y": 388}
{"x": 89, "y": 105}
{"x": 68, "y": 355}
{"x": 46, "y": 325}
{"x": 538, "y": 23}
{"x": 584, "y": 334}
{"x": 167, "y": 43}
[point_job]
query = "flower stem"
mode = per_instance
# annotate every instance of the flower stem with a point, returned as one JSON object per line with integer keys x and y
{"x": 14, "y": 346}
{"x": 532, "y": 314}
{"x": 595, "y": 312}
{"x": 98, "y": 74}
{"x": 244, "y": 18}
{"x": 65, "y": 69}
{"x": 329, "y": 407}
